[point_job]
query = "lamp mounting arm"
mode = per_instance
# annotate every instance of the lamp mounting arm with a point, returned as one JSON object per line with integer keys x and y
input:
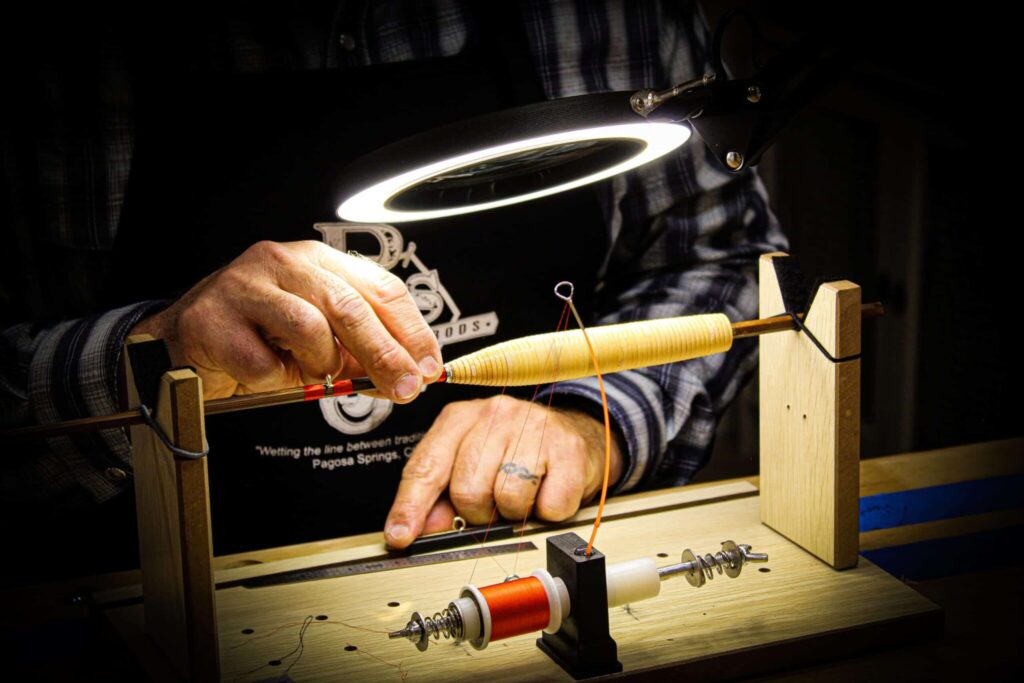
{"x": 740, "y": 118}
{"x": 646, "y": 101}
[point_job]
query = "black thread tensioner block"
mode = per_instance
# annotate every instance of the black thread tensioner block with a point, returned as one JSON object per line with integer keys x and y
{"x": 583, "y": 646}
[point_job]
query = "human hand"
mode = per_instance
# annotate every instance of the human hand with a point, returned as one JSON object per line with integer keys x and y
{"x": 491, "y": 452}
{"x": 285, "y": 314}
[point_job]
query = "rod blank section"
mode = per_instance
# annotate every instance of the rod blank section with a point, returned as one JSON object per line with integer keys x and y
{"x": 559, "y": 356}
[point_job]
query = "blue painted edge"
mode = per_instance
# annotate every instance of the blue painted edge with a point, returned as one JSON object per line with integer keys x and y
{"x": 887, "y": 510}
{"x": 936, "y": 558}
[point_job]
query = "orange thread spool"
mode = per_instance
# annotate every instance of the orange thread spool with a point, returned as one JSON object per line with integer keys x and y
{"x": 517, "y": 607}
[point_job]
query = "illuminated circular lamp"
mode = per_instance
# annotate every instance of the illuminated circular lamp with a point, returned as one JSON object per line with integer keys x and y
{"x": 504, "y": 158}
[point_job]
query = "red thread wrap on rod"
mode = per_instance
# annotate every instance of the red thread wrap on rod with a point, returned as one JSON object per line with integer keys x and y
{"x": 314, "y": 392}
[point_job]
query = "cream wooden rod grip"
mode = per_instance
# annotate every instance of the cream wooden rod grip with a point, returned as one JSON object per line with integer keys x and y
{"x": 559, "y": 356}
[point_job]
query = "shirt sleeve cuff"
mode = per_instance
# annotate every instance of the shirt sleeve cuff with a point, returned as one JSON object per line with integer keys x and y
{"x": 73, "y": 374}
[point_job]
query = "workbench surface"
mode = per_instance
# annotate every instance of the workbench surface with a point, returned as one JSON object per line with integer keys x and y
{"x": 922, "y": 517}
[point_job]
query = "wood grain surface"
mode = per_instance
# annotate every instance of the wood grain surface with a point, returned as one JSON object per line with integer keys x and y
{"x": 810, "y": 421}
{"x": 175, "y": 542}
{"x": 288, "y": 558}
{"x": 800, "y": 610}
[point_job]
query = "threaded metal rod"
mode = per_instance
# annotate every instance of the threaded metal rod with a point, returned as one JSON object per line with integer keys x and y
{"x": 447, "y": 624}
{"x": 729, "y": 560}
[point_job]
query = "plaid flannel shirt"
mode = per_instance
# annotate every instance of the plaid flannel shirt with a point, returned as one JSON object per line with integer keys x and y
{"x": 684, "y": 235}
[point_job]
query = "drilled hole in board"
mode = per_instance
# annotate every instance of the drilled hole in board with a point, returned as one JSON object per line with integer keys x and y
{"x": 763, "y": 570}
{"x": 394, "y": 603}
{"x": 805, "y": 417}
{"x": 662, "y": 554}
{"x": 787, "y": 406}
{"x": 321, "y": 617}
{"x": 248, "y": 631}
{"x": 351, "y": 648}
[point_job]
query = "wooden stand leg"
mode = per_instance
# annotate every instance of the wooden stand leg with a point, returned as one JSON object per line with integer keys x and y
{"x": 810, "y": 421}
{"x": 175, "y": 542}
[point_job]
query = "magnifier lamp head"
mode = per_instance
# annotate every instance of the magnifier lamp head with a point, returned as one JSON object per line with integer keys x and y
{"x": 504, "y": 158}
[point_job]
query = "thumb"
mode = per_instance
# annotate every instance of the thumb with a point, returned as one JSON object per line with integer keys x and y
{"x": 440, "y": 518}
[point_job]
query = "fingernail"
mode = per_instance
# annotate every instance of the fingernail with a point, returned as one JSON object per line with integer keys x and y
{"x": 397, "y": 533}
{"x": 429, "y": 367}
{"x": 407, "y": 386}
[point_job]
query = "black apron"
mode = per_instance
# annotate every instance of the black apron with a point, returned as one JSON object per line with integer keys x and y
{"x": 222, "y": 162}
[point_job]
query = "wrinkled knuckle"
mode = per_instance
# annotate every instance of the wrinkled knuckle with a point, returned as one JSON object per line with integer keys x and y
{"x": 348, "y": 305}
{"x": 265, "y": 249}
{"x": 301, "y": 321}
{"x": 558, "y": 512}
{"x": 500, "y": 401}
{"x": 254, "y": 252}
{"x": 280, "y": 253}
{"x": 385, "y": 357}
{"x": 419, "y": 468}
{"x": 561, "y": 502}
{"x": 232, "y": 279}
{"x": 414, "y": 331}
{"x": 510, "y": 502}
{"x": 390, "y": 289}
{"x": 462, "y": 408}
{"x": 468, "y": 497}
{"x": 576, "y": 443}
{"x": 350, "y": 256}
{"x": 422, "y": 469}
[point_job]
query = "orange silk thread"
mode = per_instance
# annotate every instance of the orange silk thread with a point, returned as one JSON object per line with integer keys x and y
{"x": 607, "y": 428}
{"x": 517, "y": 607}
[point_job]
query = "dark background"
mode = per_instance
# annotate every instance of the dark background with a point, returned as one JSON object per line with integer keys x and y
{"x": 900, "y": 177}
{"x": 903, "y": 177}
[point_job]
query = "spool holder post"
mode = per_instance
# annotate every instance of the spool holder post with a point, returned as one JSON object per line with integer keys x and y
{"x": 583, "y": 646}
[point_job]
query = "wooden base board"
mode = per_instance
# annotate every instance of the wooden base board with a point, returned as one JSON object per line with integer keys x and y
{"x": 799, "y": 612}
{"x": 289, "y": 558}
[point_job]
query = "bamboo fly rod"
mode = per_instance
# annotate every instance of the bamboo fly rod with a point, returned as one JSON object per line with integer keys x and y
{"x": 537, "y": 359}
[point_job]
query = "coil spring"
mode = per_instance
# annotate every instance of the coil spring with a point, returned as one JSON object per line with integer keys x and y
{"x": 709, "y": 563}
{"x": 446, "y": 623}
{"x": 729, "y": 560}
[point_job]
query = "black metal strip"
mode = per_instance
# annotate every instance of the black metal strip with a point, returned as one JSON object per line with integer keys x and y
{"x": 353, "y": 568}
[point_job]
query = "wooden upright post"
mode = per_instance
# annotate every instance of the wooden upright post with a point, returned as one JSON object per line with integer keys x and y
{"x": 810, "y": 421}
{"x": 175, "y": 541}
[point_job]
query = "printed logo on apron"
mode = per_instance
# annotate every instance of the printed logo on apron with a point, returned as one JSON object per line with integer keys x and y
{"x": 385, "y": 245}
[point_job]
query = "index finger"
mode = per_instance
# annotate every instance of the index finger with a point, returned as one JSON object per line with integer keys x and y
{"x": 391, "y": 301}
{"x": 425, "y": 476}
{"x": 352, "y": 318}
